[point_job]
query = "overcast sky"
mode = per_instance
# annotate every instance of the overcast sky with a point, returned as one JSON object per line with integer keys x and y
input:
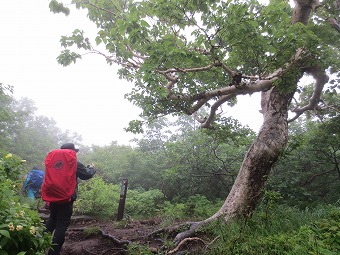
{"x": 86, "y": 97}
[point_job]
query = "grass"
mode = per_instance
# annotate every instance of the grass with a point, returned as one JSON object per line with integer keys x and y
{"x": 288, "y": 231}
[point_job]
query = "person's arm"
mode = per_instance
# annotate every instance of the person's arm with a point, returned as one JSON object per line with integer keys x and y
{"x": 26, "y": 182}
{"x": 84, "y": 173}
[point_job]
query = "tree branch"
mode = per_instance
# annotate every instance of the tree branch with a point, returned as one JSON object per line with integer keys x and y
{"x": 213, "y": 109}
{"x": 187, "y": 70}
{"x": 316, "y": 175}
{"x": 303, "y": 9}
{"x": 321, "y": 78}
{"x": 334, "y": 24}
{"x": 86, "y": 2}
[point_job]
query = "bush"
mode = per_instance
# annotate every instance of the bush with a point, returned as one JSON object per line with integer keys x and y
{"x": 97, "y": 194}
{"x": 97, "y": 198}
{"x": 194, "y": 207}
{"x": 140, "y": 203}
{"x": 21, "y": 229}
{"x": 322, "y": 237}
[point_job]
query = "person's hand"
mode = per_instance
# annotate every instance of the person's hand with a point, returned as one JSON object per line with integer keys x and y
{"x": 90, "y": 165}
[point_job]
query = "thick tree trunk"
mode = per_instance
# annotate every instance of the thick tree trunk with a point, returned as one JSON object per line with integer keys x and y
{"x": 258, "y": 161}
{"x": 261, "y": 156}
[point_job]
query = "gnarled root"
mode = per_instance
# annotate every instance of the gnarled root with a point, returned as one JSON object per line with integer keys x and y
{"x": 195, "y": 225}
{"x": 186, "y": 240}
{"x": 107, "y": 236}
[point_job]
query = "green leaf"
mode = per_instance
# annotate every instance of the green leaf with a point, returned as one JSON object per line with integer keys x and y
{"x": 3, "y": 241}
{"x": 144, "y": 23}
{"x": 98, "y": 40}
{"x": 5, "y": 233}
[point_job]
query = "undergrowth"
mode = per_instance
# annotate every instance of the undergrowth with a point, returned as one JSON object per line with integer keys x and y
{"x": 289, "y": 231}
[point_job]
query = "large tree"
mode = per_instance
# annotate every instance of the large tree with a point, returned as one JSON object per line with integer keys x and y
{"x": 187, "y": 55}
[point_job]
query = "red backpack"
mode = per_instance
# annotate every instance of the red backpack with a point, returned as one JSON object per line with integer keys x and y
{"x": 60, "y": 176}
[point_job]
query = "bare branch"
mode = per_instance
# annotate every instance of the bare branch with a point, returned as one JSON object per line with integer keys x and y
{"x": 197, "y": 106}
{"x": 187, "y": 70}
{"x": 321, "y": 78}
{"x": 128, "y": 64}
{"x": 99, "y": 8}
{"x": 213, "y": 109}
{"x": 316, "y": 175}
{"x": 229, "y": 71}
{"x": 245, "y": 88}
{"x": 134, "y": 53}
{"x": 325, "y": 106}
{"x": 334, "y": 24}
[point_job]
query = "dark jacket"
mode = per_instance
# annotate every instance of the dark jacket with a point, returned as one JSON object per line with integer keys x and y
{"x": 83, "y": 173}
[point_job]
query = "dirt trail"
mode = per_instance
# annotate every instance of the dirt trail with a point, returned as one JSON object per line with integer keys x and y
{"x": 96, "y": 237}
{"x": 89, "y": 236}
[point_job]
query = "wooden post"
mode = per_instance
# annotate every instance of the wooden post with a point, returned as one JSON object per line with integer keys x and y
{"x": 122, "y": 198}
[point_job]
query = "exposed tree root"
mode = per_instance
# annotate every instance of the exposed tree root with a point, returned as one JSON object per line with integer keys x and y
{"x": 114, "y": 239}
{"x": 194, "y": 226}
{"x": 107, "y": 236}
{"x": 154, "y": 234}
{"x": 190, "y": 232}
{"x": 171, "y": 230}
{"x": 191, "y": 229}
{"x": 184, "y": 241}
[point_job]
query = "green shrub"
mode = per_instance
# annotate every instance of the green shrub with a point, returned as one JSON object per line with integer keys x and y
{"x": 97, "y": 198}
{"x": 21, "y": 229}
{"x": 194, "y": 207}
{"x": 173, "y": 211}
{"x": 200, "y": 207}
{"x": 322, "y": 237}
{"x": 140, "y": 203}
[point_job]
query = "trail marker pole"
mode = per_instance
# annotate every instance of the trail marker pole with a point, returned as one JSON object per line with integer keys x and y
{"x": 122, "y": 198}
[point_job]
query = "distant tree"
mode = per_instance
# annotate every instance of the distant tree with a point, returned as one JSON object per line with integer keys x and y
{"x": 24, "y": 133}
{"x": 186, "y": 55}
{"x": 324, "y": 177}
{"x": 112, "y": 161}
{"x": 152, "y": 159}
{"x": 204, "y": 162}
{"x": 308, "y": 173}
{"x": 6, "y": 114}
{"x": 176, "y": 158}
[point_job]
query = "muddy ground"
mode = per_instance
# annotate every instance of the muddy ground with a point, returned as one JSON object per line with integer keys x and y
{"x": 89, "y": 236}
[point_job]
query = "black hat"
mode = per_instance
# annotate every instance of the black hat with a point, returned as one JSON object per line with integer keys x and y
{"x": 69, "y": 146}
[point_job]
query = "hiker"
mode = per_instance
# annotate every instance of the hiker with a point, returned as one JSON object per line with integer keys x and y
{"x": 33, "y": 182}
{"x": 62, "y": 162}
